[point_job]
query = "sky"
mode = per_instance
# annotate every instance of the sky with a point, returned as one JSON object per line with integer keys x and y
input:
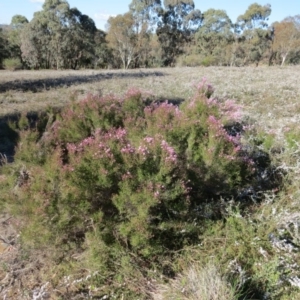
{"x": 100, "y": 10}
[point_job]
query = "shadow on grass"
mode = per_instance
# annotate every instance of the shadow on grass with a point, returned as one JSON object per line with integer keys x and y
{"x": 9, "y": 133}
{"x": 174, "y": 100}
{"x": 38, "y": 85}
{"x": 9, "y": 139}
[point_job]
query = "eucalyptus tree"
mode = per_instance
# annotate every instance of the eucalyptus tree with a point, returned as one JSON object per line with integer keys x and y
{"x": 57, "y": 37}
{"x": 43, "y": 37}
{"x": 14, "y": 35}
{"x": 145, "y": 11}
{"x": 287, "y": 38}
{"x": 18, "y": 22}
{"x": 145, "y": 16}
{"x": 121, "y": 37}
{"x": 79, "y": 42}
{"x": 55, "y": 18}
{"x": 256, "y": 16}
{"x": 178, "y": 20}
{"x": 104, "y": 57}
{"x": 215, "y": 34}
{"x": 10, "y": 39}
{"x": 252, "y": 27}
{"x": 35, "y": 43}
{"x": 3, "y": 50}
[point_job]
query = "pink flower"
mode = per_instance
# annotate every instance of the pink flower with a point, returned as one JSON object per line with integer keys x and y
{"x": 171, "y": 154}
{"x": 148, "y": 139}
{"x": 133, "y": 92}
{"x": 128, "y": 149}
{"x": 72, "y": 148}
{"x": 120, "y": 133}
{"x": 143, "y": 150}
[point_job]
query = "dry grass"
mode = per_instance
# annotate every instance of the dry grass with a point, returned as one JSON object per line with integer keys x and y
{"x": 196, "y": 283}
{"x": 268, "y": 94}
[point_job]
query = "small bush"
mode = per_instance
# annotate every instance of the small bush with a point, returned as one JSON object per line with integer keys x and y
{"x": 209, "y": 61}
{"x": 128, "y": 184}
{"x": 192, "y": 60}
{"x": 12, "y": 64}
{"x": 195, "y": 60}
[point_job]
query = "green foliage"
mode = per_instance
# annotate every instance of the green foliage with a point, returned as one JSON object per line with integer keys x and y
{"x": 9, "y": 137}
{"x": 178, "y": 28}
{"x": 178, "y": 21}
{"x": 18, "y": 21}
{"x": 58, "y": 37}
{"x": 128, "y": 184}
{"x": 261, "y": 139}
{"x": 12, "y": 64}
{"x": 255, "y": 16}
{"x": 257, "y": 40}
{"x": 292, "y": 136}
{"x": 241, "y": 245}
{"x": 195, "y": 60}
{"x": 192, "y": 60}
{"x": 79, "y": 121}
{"x": 121, "y": 37}
{"x": 208, "y": 61}
{"x": 3, "y": 47}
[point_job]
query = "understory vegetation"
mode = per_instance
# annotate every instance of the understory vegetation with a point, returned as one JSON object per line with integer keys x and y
{"x": 130, "y": 197}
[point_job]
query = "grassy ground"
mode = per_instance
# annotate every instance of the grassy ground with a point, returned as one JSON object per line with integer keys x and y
{"x": 268, "y": 94}
{"x": 270, "y": 99}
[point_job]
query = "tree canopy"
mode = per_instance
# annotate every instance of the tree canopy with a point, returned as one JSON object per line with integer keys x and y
{"x": 58, "y": 37}
{"x": 153, "y": 33}
{"x": 255, "y": 16}
{"x": 287, "y": 38}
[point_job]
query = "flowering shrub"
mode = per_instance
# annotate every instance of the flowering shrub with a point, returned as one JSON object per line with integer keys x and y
{"x": 134, "y": 177}
{"x": 79, "y": 120}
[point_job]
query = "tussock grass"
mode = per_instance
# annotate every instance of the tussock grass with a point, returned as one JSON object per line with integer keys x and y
{"x": 197, "y": 282}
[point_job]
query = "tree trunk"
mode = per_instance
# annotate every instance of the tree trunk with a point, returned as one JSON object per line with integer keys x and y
{"x": 283, "y": 59}
{"x": 271, "y": 58}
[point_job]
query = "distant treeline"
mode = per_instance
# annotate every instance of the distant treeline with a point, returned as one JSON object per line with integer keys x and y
{"x": 150, "y": 34}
